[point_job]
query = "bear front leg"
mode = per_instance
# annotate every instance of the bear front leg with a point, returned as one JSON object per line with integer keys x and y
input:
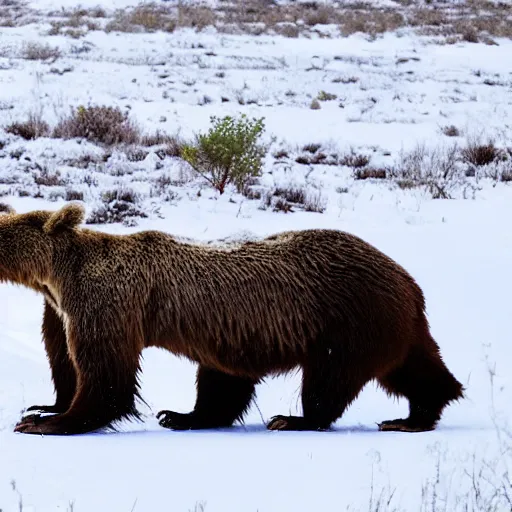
{"x": 221, "y": 400}
{"x": 107, "y": 383}
{"x": 62, "y": 369}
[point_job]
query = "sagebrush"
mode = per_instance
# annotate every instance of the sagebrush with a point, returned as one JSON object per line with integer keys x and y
{"x": 99, "y": 124}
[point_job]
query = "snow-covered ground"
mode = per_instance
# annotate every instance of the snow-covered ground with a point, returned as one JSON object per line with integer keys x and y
{"x": 392, "y": 93}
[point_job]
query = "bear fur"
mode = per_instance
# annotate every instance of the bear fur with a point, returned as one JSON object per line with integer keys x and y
{"x": 324, "y": 301}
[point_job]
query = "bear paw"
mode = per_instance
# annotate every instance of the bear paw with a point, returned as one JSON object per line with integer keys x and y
{"x": 29, "y": 424}
{"x": 175, "y": 420}
{"x": 404, "y": 425}
{"x": 47, "y": 425}
{"x": 290, "y": 423}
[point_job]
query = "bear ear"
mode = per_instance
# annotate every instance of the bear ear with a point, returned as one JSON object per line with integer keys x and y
{"x": 67, "y": 217}
{"x": 6, "y": 208}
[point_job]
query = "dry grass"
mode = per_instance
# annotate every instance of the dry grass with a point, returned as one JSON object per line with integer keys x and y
{"x": 471, "y": 21}
{"x": 355, "y": 160}
{"x": 371, "y": 21}
{"x": 315, "y": 202}
{"x": 370, "y": 173}
{"x": 13, "y": 13}
{"x": 287, "y": 199}
{"x": 160, "y": 138}
{"x": 437, "y": 170}
{"x": 291, "y": 194}
{"x": 76, "y": 22}
{"x": 148, "y": 18}
{"x": 33, "y": 128}
{"x": 38, "y": 51}
{"x": 49, "y": 179}
{"x": 292, "y": 19}
{"x": 152, "y": 17}
{"x": 311, "y": 147}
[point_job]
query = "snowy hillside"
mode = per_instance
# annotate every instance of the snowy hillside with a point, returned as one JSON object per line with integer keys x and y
{"x": 393, "y": 123}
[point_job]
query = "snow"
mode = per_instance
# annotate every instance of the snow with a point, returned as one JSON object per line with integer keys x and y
{"x": 459, "y": 251}
{"x": 462, "y": 265}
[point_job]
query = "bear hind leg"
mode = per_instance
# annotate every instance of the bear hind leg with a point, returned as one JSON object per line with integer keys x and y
{"x": 221, "y": 400}
{"x": 327, "y": 390}
{"x": 427, "y": 383}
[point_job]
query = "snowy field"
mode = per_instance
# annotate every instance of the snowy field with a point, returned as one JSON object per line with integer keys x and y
{"x": 386, "y": 96}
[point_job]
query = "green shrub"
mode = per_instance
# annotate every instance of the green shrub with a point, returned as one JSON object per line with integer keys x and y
{"x": 228, "y": 153}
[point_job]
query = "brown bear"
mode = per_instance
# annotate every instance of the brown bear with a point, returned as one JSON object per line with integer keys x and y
{"x": 322, "y": 300}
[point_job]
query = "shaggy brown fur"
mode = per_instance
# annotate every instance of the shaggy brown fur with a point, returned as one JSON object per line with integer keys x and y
{"x": 322, "y": 300}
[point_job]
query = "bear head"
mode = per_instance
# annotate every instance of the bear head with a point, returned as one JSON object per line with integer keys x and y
{"x": 28, "y": 241}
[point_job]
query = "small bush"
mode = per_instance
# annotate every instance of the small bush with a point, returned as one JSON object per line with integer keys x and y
{"x": 281, "y": 205}
{"x": 315, "y": 105}
{"x": 105, "y": 125}
{"x": 38, "y": 51}
{"x": 315, "y": 202}
{"x": 174, "y": 147}
{"x": 451, "y": 131}
{"x": 228, "y": 153}
{"x": 117, "y": 206}
{"x": 346, "y": 80}
{"x": 311, "y": 148}
{"x": 49, "y": 179}
{"x": 74, "y": 195}
{"x": 319, "y": 158}
{"x": 355, "y": 160}
{"x": 326, "y": 96}
{"x": 470, "y": 35}
{"x": 320, "y": 15}
{"x": 506, "y": 177}
{"x": 480, "y": 154}
{"x": 370, "y": 173}
{"x": 252, "y": 189}
{"x": 436, "y": 170}
{"x": 136, "y": 154}
{"x": 31, "y": 129}
{"x": 303, "y": 160}
{"x": 287, "y": 30}
{"x": 296, "y": 195}
{"x": 282, "y": 153}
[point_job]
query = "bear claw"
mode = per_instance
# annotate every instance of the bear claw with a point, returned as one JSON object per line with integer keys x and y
{"x": 28, "y": 424}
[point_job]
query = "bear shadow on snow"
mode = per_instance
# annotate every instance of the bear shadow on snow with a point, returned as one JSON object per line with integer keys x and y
{"x": 321, "y": 300}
